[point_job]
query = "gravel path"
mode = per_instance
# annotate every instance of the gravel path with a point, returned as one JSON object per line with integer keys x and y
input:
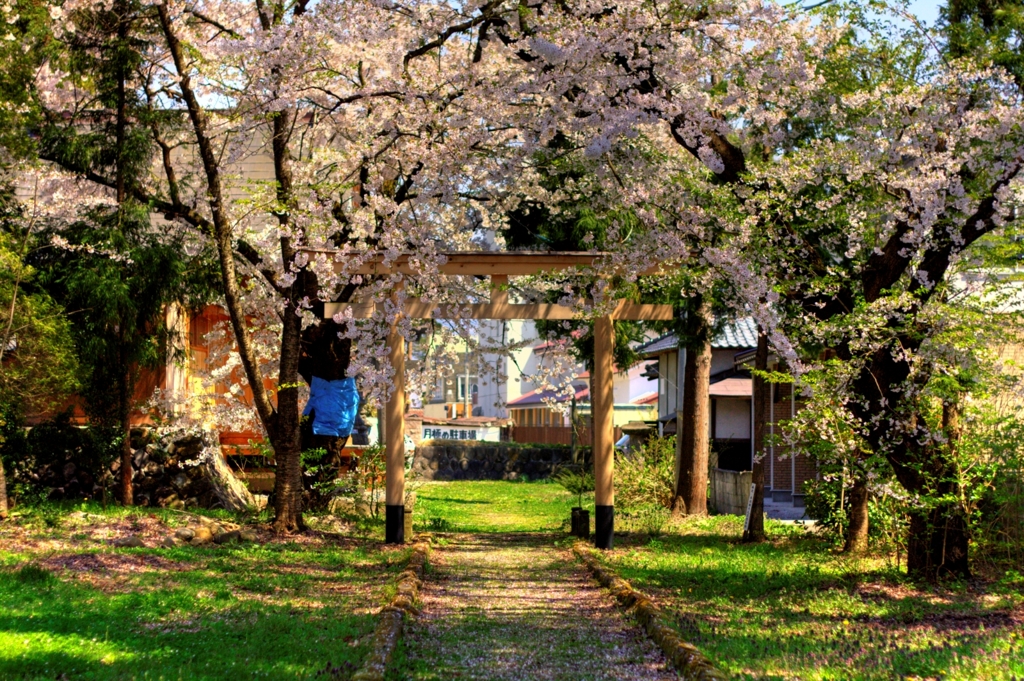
{"x": 517, "y": 607}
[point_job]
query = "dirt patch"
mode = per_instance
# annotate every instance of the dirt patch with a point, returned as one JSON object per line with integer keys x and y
{"x": 967, "y": 622}
{"x": 111, "y": 563}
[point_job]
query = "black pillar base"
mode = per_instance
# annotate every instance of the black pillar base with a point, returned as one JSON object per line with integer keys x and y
{"x": 394, "y": 524}
{"x": 604, "y": 526}
{"x": 580, "y": 523}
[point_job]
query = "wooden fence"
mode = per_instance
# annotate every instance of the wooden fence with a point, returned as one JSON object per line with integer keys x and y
{"x": 554, "y": 435}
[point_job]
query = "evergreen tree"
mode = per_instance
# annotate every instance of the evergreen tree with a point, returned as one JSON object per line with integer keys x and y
{"x": 120, "y": 268}
{"x": 988, "y": 27}
{"x": 38, "y": 366}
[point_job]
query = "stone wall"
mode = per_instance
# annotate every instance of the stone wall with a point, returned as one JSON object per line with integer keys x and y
{"x": 730, "y": 490}
{"x": 447, "y": 460}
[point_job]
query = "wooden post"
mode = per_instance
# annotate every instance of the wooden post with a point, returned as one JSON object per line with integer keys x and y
{"x": 394, "y": 443}
{"x": 499, "y": 291}
{"x": 603, "y": 416}
{"x": 499, "y": 267}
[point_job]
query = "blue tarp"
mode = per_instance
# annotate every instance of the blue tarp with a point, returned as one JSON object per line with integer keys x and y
{"x": 334, "y": 405}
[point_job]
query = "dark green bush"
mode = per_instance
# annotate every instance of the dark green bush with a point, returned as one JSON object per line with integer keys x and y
{"x": 644, "y": 474}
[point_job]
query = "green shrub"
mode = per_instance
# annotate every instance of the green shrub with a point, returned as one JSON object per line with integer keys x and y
{"x": 41, "y": 458}
{"x": 829, "y": 504}
{"x": 644, "y": 475}
{"x": 367, "y": 478}
{"x": 993, "y": 445}
{"x": 436, "y": 524}
{"x": 576, "y": 480}
{"x": 319, "y": 477}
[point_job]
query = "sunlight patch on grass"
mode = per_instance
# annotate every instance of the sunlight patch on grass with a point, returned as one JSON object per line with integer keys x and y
{"x": 793, "y": 608}
{"x": 493, "y": 506}
{"x": 81, "y": 610}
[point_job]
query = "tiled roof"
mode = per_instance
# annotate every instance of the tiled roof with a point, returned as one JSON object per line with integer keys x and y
{"x": 741, "y": 333}
{"x": 658, "y": 345}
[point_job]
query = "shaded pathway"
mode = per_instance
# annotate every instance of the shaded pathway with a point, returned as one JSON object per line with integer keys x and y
{"x": 516, "y": 607}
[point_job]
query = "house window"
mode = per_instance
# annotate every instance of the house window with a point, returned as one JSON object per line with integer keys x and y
{"x": 462, "y": 387}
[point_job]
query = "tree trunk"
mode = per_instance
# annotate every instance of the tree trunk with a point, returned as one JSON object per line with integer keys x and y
{"x": 938, "y": 534}
{"x": 287, "y": 436}
{"x": 287, "y": 478}
{"x": 127, "y": 494}
{"x": 692, "y": 481}
{"x": 231, "y": 492}
{"x": 762, "y": 398}
{"x": 857, "y": 533}
{"x": 283, "y": 430}
{"x": 3, "y": 493}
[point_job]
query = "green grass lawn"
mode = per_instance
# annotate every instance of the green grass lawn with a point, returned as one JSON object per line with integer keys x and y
{"x": 72, "y": 607}
{"x": 793, "y": 608}
{"x": 493, "y": 506}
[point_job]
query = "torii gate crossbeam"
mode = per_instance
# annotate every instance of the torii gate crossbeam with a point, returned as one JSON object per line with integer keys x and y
{"x": 499, "y": 266}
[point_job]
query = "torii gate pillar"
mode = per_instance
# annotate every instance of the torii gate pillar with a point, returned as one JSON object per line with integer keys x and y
{"x": 394, "y": 443}
{"x": 603, "y": 426}
{"x": 499, "y": 266}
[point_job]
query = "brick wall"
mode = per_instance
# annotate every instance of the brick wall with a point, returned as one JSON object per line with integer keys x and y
{"x": 806, "y": 467}
{"x": 782, "y": 469}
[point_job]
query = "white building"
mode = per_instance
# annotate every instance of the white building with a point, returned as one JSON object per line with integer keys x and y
{"x": 730, "y": 427}
{"x": 524, "y": 401}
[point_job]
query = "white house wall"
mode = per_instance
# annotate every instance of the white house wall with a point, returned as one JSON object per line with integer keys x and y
{"x": 502, "y": 389}
{"x": 668, "y": 388}
{"x": 629, "y": 385}
{"x": 732, "y": 419}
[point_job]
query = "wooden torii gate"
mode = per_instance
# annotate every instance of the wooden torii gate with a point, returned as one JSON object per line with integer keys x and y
{"x": 499, "y": 267}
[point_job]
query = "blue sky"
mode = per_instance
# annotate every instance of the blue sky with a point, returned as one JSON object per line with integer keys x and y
{"x": 926, "y": 10}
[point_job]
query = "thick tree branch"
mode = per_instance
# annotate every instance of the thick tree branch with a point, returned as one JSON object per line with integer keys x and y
{"x": 440, "y": 40}
{"x": 221, "y": 225}
{"x": 733, "y": 159}
{"x": 884, "y": 269}
{"x": 937, "y": 259}
{"x": 212, "y": 22}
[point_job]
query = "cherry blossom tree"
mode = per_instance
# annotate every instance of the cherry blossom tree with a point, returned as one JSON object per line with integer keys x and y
{"x": 384, "y": 126}
{"x": 835, "y": 190}
{"x": 408, "y": 128}
{"x": 863, "y": 224}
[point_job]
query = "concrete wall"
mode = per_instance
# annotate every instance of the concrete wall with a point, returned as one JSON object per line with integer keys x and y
{"x": 730, "y": 491}
{"x": 467, "y": 461}
{"x": 722, "y": 359}
{"x": 732, "y": 418}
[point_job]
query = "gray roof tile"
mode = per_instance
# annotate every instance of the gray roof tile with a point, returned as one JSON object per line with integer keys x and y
{"x": 741, "y": 333}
